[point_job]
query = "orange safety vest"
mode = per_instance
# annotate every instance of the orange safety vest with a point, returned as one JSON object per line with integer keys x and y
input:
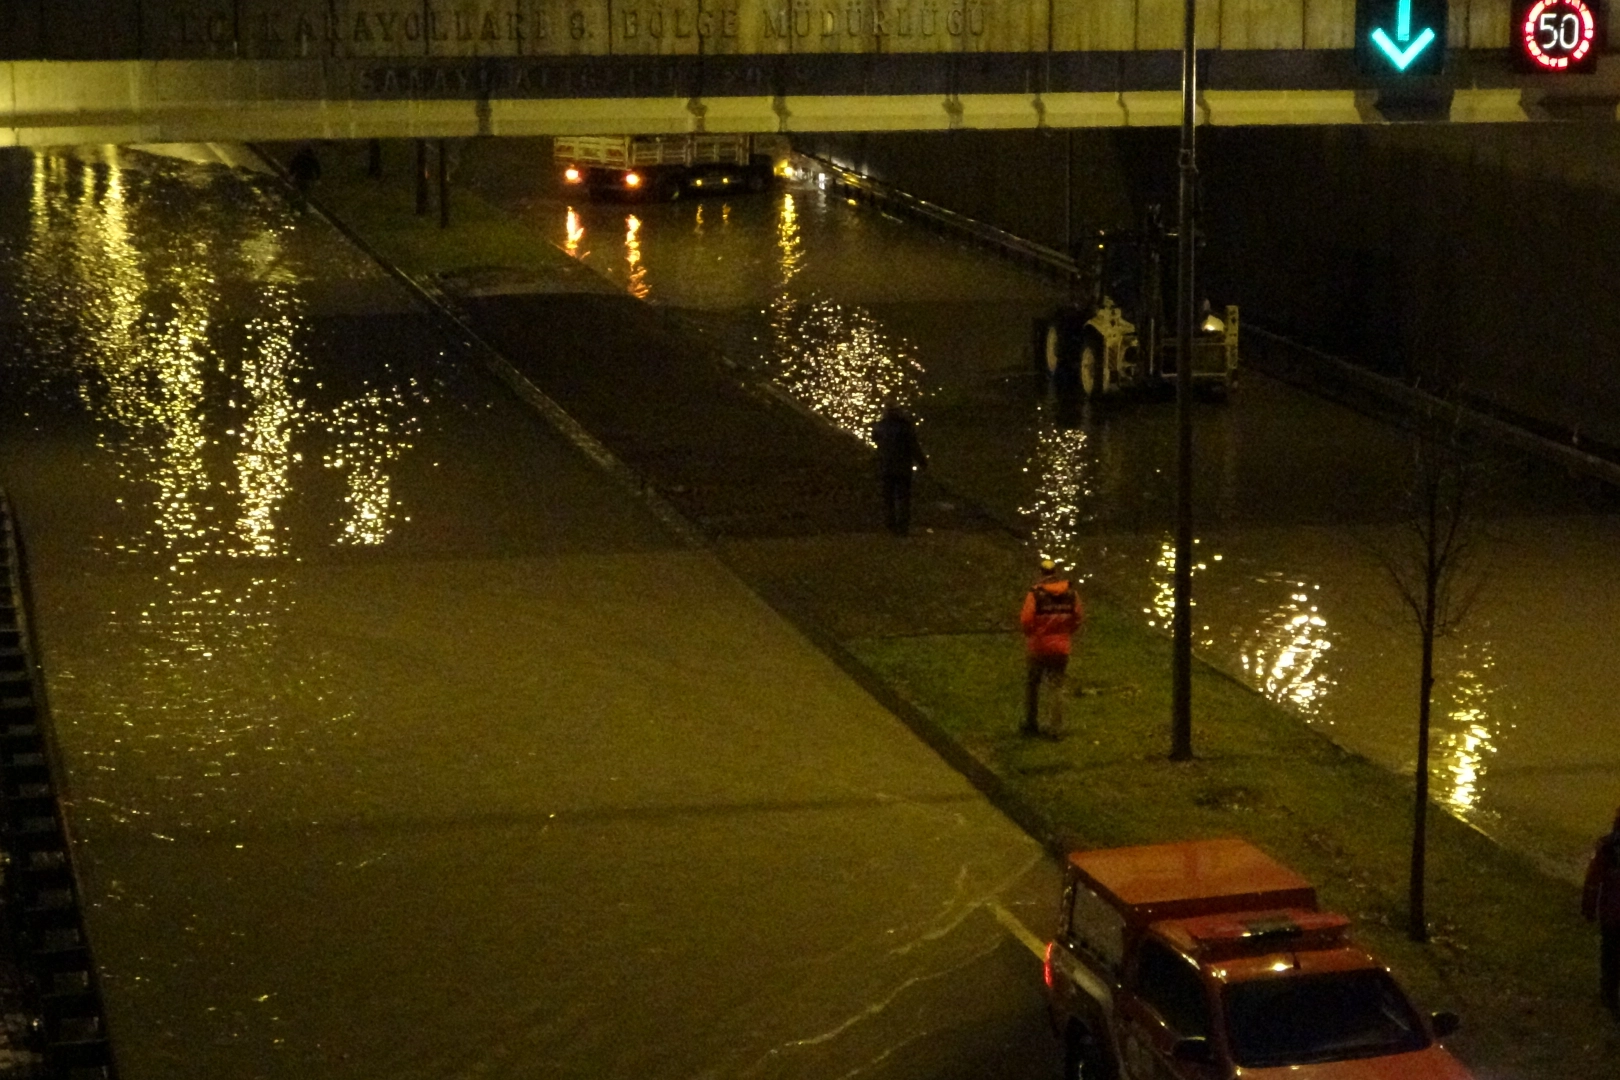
{"x": 1052, "y": 613}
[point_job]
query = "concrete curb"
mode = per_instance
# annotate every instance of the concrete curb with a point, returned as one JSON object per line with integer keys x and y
{"x": 989, "y": 783}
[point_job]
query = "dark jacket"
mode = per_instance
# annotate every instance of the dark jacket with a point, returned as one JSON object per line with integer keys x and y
{"x": 1600, "y": 899}
{"x": 897, "y": 445}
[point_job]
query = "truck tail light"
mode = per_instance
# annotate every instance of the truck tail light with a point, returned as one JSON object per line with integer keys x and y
{"x": 632, "y": 179}
{"x": 572, "y": 174}
{"x": 1046, "y": 965}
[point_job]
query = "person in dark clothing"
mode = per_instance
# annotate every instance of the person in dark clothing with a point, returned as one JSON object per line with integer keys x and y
{"x": 305, "y": 169}
{"x": 899, "y": 453}
{"x": 1600, "y": 903}
{"x": 1051, "y": 614}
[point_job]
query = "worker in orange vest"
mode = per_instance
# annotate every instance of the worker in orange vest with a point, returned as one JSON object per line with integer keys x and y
{"x": 1051, "y": 616}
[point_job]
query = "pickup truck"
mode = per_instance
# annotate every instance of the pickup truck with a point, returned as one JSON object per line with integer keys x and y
{"x": 1209, "y": 960}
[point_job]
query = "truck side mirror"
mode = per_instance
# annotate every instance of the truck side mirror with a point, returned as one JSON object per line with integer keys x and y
{"x": 1194, "y": 1050}
{"x": 1445, "y": 1023}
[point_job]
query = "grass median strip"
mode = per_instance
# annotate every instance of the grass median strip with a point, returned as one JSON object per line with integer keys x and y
{"x": 1509, "y": 950}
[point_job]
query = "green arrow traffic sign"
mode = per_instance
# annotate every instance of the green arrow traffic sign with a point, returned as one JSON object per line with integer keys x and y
{"x": 1400, "y": 37}
{"x": 1402, "y": 55}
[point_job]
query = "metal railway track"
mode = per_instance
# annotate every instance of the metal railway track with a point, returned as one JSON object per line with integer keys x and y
{"x": 54, "y": 972}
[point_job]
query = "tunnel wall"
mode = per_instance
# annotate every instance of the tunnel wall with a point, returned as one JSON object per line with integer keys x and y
{"x": 1476, "y": 256}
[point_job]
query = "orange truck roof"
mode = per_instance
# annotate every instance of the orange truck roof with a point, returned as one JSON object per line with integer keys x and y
{"x": 1193, "y": 877}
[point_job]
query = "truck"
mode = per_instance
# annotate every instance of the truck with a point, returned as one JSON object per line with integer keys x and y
{"x": 1210, "y": 960}
{"x": 662, "y": 166}
{"x": 1102, "y": 345}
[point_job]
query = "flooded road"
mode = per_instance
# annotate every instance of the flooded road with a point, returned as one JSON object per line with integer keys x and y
{"x": 399, "y": 741}
{"x": 843, "y": 308}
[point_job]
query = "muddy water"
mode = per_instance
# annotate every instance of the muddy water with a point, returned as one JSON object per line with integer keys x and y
{"x": 845, "y": 308}
{"x": 399, "y": 741}
{"x": 258, "y": 495}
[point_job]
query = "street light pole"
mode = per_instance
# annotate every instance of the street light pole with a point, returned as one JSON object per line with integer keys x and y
{"x": 1181, "y": 622}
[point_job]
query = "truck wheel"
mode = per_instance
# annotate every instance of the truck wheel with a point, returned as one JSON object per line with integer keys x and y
{"x": 1083, "y": 1059}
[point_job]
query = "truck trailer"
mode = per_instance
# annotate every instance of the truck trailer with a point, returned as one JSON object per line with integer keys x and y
{"x": 662, "y": 166}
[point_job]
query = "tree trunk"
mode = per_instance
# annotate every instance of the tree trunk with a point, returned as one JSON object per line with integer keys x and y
{"x": 1417, "y": 926}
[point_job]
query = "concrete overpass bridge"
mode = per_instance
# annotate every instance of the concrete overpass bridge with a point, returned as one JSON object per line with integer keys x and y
{"x": 74, "y": 71}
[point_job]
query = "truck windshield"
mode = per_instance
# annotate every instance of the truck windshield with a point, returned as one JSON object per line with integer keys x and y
{"x": 1315, "y": 1018}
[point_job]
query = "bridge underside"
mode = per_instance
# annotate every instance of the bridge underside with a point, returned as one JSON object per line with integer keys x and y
{"x": 49, "y": 102}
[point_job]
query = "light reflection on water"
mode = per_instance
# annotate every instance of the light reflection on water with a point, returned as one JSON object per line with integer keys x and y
{"x": 1162, "y": 608}
{"x": 837, "y": 359}
{"x": 138, "y": 331}
{"x": 187, "y": 348}
{"x": 1275, "y": 629}
{"x": 368, "y": 434}
{"x": 1466, "y": 737}
{"x": 1061, "y": 473}
{"x": 632, "y": 256}
{"x": 1278, "y": 632}
{"x": 1282, "y": 654}
{"x": 574, "y": 234}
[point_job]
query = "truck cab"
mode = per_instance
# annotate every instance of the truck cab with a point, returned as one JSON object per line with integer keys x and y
{"x": 1209, "y": 960}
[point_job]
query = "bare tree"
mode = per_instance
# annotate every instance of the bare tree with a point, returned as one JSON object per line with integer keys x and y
{"x": 1435, "y": 568}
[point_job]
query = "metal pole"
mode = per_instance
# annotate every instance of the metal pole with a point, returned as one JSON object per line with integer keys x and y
{"x": 444, "y": 188}
{"x": 421, "y": 178}
{"x": 1181, "y": 625}
{"x": 1068, "y": 194}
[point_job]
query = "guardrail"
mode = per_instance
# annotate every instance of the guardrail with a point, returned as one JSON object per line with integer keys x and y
{"x": 1264, "y": 350}
{"x": 862, "y": 188}
{"x": 41, "y": 914}
{"x": 1289, "y": 360}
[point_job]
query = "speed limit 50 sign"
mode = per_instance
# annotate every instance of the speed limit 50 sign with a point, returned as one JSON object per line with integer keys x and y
{"x": 1557, "y": 35}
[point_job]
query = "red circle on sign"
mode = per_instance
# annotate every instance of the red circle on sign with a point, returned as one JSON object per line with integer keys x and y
{"x": 1558, "y": 33}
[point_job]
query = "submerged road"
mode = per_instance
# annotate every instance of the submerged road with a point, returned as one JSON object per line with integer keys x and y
{"x": 400, "y": 741}
{"x": 842, "y": 307}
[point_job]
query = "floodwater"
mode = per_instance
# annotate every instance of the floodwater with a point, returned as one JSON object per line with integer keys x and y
{"x": 370, "y": 774}
{"x": 229, "y": 437}
{"x": 1297, "y": 500}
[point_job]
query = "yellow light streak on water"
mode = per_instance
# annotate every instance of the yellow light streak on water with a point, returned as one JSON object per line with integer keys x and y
{"x": 1163, "y": 605}
{"x": 1467, "y": 735}
{"x": 1283, "y": 654}
{"x": 836, "y": 359}
{"x": 266, "y": 455}
{"x": 789, "y": 241}
{"x": 637, "y": 284}
{"x": 574, "y": 231}
{"x": 368, "y": 434}
{"x": 202, "y": 422}
{"x": 1062, "y": 467}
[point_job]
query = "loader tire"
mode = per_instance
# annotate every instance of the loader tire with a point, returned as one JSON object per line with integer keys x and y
{"x": 1093, "y": 368}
